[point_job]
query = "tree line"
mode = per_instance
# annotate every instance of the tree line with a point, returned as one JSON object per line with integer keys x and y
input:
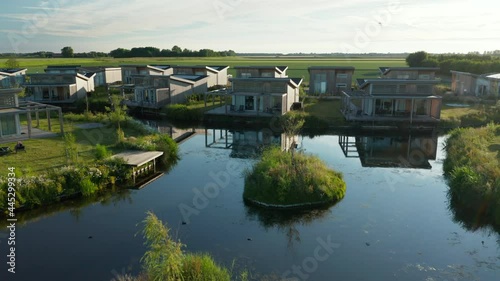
{"x": 472, "y": 62}
{"x": 176, "y": 51}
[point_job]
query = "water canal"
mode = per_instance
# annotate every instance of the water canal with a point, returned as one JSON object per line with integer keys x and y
{"x": 395, "y": 222}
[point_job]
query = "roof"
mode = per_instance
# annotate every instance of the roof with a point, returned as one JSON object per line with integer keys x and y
{"x": 386, "y": 69}
{"x": 138, "y": 158}
{"x": 10, "y": 91}
{"x": 279, "y": 69}
{"x": 331, "y": 67}
{"x": 64, "y": 66}
{"x": 153, "y": 66}
{"x": 11, "y": 70}
{"x": 494, "y": 76}
{"x": 215, "y": 68}
{"x": 161, "y": 66}
{"x": 362, "y": 83}
{"x": 189, "y": 78}
{"x": 295, "y": 82}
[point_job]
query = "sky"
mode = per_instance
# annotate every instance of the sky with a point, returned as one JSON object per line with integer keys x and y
{"x": 252, "y": 26}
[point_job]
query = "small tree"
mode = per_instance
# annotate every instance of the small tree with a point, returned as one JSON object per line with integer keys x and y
{"x": 116, "y": 111}
{"x": 292, "y": 123}
{"x": 12, "y": 63}
{"x": 67, "y": 52}
{"x": 70, "y": 148}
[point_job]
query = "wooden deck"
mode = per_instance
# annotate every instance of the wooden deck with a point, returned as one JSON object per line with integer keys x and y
{"x": 226, "y": 110}
{"x": 367, "y": 118}
{"x": 138, "y": 158}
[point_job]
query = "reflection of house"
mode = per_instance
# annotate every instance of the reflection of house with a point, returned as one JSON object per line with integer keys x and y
{"x": 217, "y": 75}
{"x": 261, "y": 71}
{"x": 59, "y": 88}
{"x": 11, "y": 110}
{"x": 395, "y": 151}
{"x": 330, "y": 79}
{"x": 156, "y": 91}
{"x": 11, "y": 77}
{"x": 408, "y": 98}
{"x": 465, "y": 83}
{"x": 245, "y": 144}
{"x": 129, "y": 70}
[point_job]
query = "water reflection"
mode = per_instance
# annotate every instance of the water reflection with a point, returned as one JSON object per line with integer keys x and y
{"x": 409, "y": 151}
{"x": 473, "y": 216}
{"x": 286, "y": 221}
{"x": 246, "y": 143}
{"x": 75, "y": 206}
{"x": 164, "y": 127}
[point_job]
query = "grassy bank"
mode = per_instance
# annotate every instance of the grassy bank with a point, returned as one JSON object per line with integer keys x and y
{"x": 472, "y": 166}
{"x": 283, "y": 178}
{"x": 78, "y": 163}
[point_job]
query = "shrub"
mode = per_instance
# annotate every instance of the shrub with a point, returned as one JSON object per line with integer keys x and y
{"x": 88, "y": 188}
{"x": 203, "y": 267}
{"x": 182, "y": 113}
{"x": 101, "y": 152}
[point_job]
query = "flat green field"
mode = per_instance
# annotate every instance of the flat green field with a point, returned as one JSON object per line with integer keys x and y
{"x": 297, "y": 66}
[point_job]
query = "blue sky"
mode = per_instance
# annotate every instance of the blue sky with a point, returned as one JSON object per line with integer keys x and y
{"x": 319, "y": 26}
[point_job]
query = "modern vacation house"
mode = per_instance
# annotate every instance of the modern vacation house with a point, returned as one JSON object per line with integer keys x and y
{"x": 330, "y": 79}
{"x": 103, "y": 75}
{"x": 465, "y": 83}
{"x": 12, "y": 77}
{"x": 260, "y": 91}
{"x": 401, "y": 95}
{"x": 156, "y": 91}
{"x": 58, "y": 87}
{"x": 217, "y": 75}
{"x": 129, "y": 70}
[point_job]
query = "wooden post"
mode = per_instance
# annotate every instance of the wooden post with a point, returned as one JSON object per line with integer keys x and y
{"x": 154, "y": 165}
{"x": 37, "y": 118}
{"x": 47, "y": 111}
{"x": 411, "y": 112}
{"x": 29, "y": 122}
{"x": 61, "y": 120}
{"x": 133, "y": 173}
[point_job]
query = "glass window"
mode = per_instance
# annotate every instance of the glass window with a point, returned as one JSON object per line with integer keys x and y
{"x": 342, "y": 75}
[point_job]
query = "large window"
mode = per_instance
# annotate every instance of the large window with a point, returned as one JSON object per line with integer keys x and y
{"x": 320, "y": 83}
{"x": 249, "y": 103}
{"x": 246, "y": 75}
{"x": 342, "y": 75}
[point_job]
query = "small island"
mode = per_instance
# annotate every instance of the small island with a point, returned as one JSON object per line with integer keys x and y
{"x": 292, "y": 180}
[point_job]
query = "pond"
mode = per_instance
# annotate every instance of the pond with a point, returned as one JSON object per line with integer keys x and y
{"x": 395, "y": 222}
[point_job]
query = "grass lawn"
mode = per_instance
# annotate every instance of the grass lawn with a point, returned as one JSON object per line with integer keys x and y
{"x": 325, "y": 109}
{"x": 449, "y": 112}
{"x": 297, "y": 66}
{"x": 48, "y": 153}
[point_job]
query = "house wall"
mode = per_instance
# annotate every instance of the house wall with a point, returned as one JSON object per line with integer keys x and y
{"x": 257, "y": 72}
{"x": 179, "y": 91}
{"x": 222, "y": 78}
{"x": 81, "y": 88}
{"x": 463, "y": 83}
{"x": 260, "y": 86}
{"x": 411, "y": 74}
{"x": 483, "y": 87}
{"x": 112, "y": 75}
{"x": 331, "y": 79}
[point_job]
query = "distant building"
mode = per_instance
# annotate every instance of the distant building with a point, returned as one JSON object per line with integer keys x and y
{"x": 330, "y": 79}
{"x": 156, "y": 91}
{"x": 261, "y": 71}
{"x": 12, "y": 77}
{"x": 465, "y": 83}
{"x": 408, "y": 73}
{"x": 103, "y": 75}
{"x": 58, "y": 88}
{"x": 10, "y": 124}
{"x": 408, "y": 98}
{"x": 129, "y": 70}
{"x": 216, "y": 75}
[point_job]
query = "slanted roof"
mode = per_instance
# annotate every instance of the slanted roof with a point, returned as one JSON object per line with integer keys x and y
{"x": 10, "y": 71}
{"x": 331, "y": 67}
{"x": 161, "y": 66}
{"x": 191, "y": 79}
{"x": 219, "y": 67}
{"x": 279, "y": 69}
{"x": 294, "y": 82}
{"x": 495, "y": 76}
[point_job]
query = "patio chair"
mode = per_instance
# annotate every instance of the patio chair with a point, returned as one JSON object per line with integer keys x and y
{"x": 4, "y": 151}
{"x": 20, "y": 147}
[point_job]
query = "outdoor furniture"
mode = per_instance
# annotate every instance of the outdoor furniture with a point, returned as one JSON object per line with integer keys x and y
{"x": 20, "y": 147}
{"x": 4, "y": 151}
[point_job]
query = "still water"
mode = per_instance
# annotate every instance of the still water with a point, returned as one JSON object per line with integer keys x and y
{"x": 394, "y": 223}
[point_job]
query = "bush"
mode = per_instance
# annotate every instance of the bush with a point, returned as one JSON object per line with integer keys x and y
{"x": 101, "y": 152}
{"x": 182, "y": 113}
{"x": 203, "y": 267}
{"x": 284, "y": 179}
